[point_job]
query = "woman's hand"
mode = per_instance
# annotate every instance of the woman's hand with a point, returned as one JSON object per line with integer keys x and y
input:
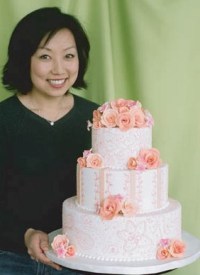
{"x": 37, "y": 244}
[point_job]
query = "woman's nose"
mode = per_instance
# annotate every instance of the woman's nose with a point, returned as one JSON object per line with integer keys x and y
{"x": 58, "y": 67}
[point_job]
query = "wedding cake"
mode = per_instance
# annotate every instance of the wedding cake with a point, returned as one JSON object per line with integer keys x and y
{"x": 122, "y": 211}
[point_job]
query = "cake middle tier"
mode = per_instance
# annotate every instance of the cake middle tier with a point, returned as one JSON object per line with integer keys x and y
{"x": 147, "y": 190}
{"x": 117, "y": 146}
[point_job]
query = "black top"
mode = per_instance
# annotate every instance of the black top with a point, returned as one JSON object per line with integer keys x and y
{"x": 38, "y": 167}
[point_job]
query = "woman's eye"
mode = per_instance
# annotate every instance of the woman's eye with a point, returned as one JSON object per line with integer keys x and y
{"x": 45, "y": 57}
{"x": 69, "y": 56}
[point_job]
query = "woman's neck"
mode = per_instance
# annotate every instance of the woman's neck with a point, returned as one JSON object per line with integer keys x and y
{"x": 49, "y": 108}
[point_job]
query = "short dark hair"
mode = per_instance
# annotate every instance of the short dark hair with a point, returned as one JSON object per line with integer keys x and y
{"x": 25, "y": 39}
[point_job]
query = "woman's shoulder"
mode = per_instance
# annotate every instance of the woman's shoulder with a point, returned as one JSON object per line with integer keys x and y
{"x": 7, "y": 105}
{"x": 9, "y": 102}
{"x": 7, "y": 110}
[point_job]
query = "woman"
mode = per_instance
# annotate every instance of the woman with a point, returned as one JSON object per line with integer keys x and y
{"x": 43, "y": 129}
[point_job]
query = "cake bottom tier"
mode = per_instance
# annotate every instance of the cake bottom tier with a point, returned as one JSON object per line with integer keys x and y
{"x": 122, "y": 238}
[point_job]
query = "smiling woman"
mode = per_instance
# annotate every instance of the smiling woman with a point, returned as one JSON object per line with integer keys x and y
{"x": 54, "y": 69}
{"x": 55, "y": 63}
{"x": 40, "y": 130}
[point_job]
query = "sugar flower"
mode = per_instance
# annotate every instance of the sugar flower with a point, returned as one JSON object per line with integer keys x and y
{"x": 170, "y": 248}
{"x": 89, "y": 159}
{"x": 150, "y": 157}
{"x": 81, "y": 161}
{"x": 146, "y": 159}
{"x": 128, "y": 209}
{"x": 132, "y": 163}
{"x": 109, "y": 118}
{"x": 115, "y": 205}
{"x": 121, "y": 113}
{"x": 94, "y": 161}
{"x": 110, "y": 207}
{"x": 62, "y": 247}
{"x": 177, "y": 248}
{"x": 125, "y": 121}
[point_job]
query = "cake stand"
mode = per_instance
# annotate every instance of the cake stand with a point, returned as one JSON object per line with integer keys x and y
{"x": 132, "y": 267}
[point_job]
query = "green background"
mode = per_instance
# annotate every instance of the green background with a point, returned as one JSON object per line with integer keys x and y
{"x": 147, "y": 50}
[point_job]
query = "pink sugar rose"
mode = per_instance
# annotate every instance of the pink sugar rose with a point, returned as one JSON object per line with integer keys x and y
{"x": 177, "y": 248}
{"x": 61, "y": 246}
{"x": 104, "y": 107}
{"x": 131, "y": 114}
{"x": 139, "y": 118}
{"x": 162, "y": 253}
{"x": 121, "y": 103}
{"x": 118, "y": 103}
{"x": 125, "y": 121}
{"x": 60, "y": 241}
{"x": 149, "y": 157}
{"x": 128, "y": 209}
{"x": 94, "y": 160}
{"x": 96, "y": 119}
{"x": 61, "y": 251}
{"x": 170, "y": 248}
{"x": 70, "y": 251}
{"x": 123, "y": 109}
{"x": 110, "y": 207}
{"x": 97, "y": 124}
{"x": 133, "y": 104}
{"x": 132, "y": 163}
{"x": 109, "y": 118}
{"x": 82, "y": 162}
{"x": 97, "y": 114}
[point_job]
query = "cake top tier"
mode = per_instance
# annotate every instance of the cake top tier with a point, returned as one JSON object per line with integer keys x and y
{"x": 123, "y": 114}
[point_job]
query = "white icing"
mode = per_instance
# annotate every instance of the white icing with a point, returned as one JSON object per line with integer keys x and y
{"x": 120, "y": 239}
{"x": 116, "y": 146}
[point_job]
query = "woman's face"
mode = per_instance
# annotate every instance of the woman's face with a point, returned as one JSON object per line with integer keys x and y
{"x": 55, "y": 65}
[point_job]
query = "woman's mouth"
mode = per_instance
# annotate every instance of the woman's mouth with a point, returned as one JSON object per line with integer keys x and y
{"x": 57, "y": 83}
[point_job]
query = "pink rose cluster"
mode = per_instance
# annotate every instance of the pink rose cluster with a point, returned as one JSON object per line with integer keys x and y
{"x": 89, "y": 159}
{"x": 146, "y": 159}
{"x": 168, "y": 248}
{"x": 115, "y": 205}
{"x": 62, "y": 247}
{"x": 121, "y": 113}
